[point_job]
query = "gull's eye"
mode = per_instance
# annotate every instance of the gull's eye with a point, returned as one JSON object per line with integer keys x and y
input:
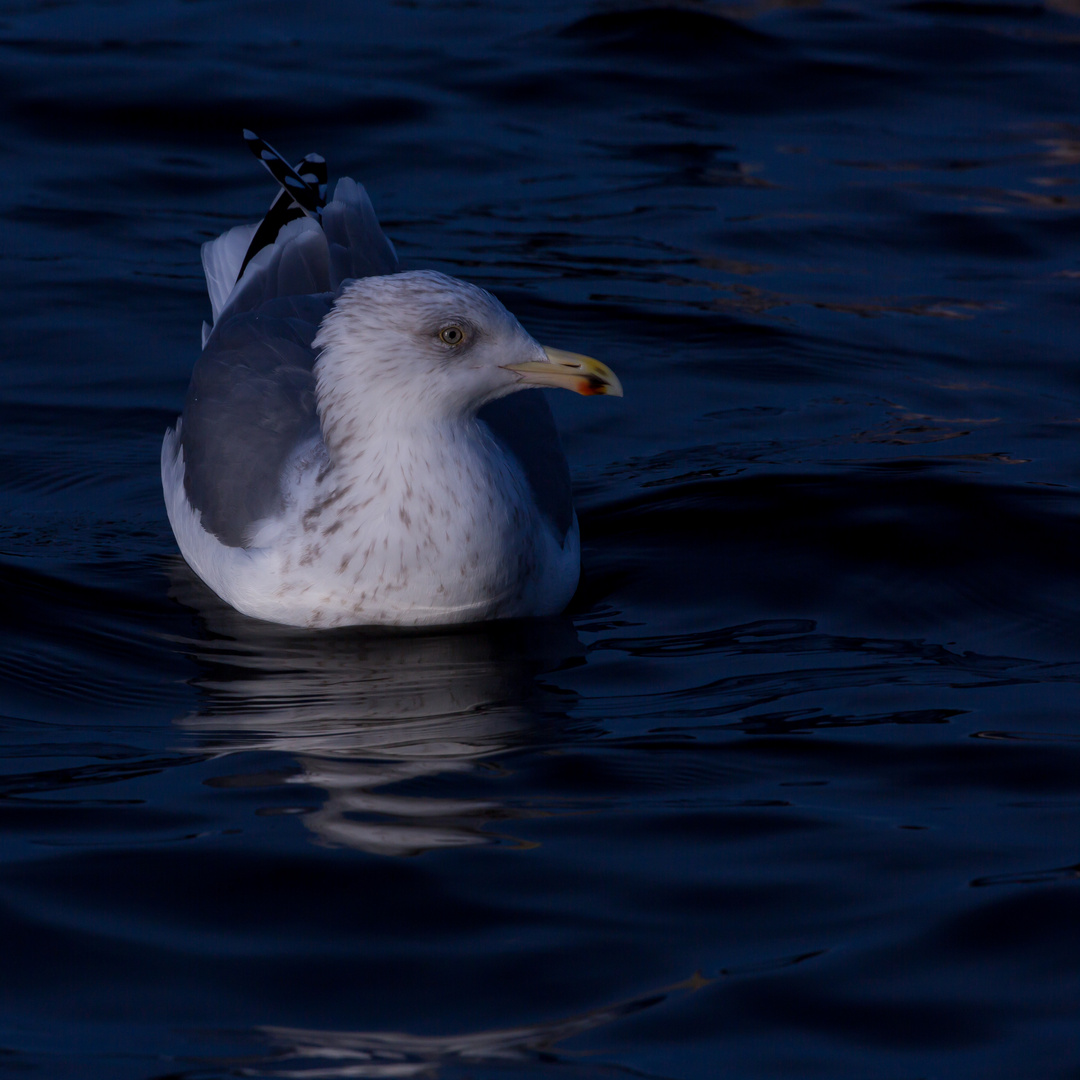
{"x": 452, "y": 335}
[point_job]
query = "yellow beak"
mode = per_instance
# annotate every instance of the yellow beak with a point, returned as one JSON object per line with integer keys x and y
{"x": 571, "y": 371}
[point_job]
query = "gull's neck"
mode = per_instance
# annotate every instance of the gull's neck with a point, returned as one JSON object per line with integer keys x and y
{"x": 363, "y": 410}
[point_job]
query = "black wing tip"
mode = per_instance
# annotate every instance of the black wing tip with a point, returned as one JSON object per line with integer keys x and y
{"x": 303, "y": 191}
{"x": 310, "y": 197}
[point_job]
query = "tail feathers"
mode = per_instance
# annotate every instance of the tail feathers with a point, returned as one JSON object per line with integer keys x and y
{"x": 303, "y": 191}
{"x": 296, "y": 249}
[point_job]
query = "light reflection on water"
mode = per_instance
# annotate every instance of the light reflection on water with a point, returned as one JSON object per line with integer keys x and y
{"x": 389, "y": 1054}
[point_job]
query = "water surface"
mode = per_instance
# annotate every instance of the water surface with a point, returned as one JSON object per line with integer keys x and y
{"x": 792, "y": 789}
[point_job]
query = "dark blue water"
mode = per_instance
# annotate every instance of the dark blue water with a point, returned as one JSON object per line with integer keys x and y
{"x": 793, "y": 790}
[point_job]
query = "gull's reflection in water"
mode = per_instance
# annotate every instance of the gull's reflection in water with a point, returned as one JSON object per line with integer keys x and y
{"x": 340, "y": 1054}
{"x": 361, "y": 711}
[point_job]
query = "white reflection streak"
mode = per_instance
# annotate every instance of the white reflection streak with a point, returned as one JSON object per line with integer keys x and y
{"x": 398, "y": 1054}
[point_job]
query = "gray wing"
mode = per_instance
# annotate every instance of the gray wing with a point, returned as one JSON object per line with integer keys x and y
{"x": 251, "y": 402}
{"x": 523, "y": 423}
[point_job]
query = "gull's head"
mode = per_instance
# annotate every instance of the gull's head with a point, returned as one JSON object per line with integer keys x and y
{"x": 421, "y": 346}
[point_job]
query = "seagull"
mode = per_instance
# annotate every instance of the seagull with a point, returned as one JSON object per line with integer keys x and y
{"x": 354, "y": 449}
